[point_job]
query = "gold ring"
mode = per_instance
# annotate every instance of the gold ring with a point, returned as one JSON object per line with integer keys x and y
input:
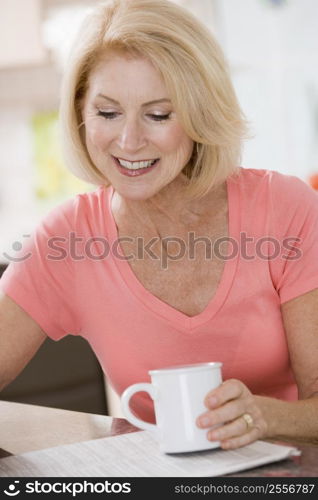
{"x": 248, "y": 420}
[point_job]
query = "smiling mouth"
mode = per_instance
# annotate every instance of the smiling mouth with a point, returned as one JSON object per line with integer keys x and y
{"x": 135, "y": 165}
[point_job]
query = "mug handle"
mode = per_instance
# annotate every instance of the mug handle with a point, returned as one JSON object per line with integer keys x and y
{"x": 125, "y": 398}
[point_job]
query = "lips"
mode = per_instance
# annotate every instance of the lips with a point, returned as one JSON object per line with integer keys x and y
{"x": 135, "y": 164}
{"x": 131, "y": 172}
{"x": 133, "y": 161}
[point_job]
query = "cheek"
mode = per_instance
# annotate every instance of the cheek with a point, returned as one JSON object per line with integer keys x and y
{"x": 95, "y": 143}
{"x": 177, "y": 140}
{"x": 96, "y": 136}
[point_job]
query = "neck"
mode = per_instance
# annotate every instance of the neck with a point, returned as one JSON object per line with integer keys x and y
{"x": 168, "y": 208}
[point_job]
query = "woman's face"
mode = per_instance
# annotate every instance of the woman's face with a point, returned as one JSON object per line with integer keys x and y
{"x": 132, "y": 132}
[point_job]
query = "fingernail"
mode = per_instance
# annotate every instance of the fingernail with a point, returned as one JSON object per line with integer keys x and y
{"x": 212, "y": 402}
{"x": 226, "y": 445}
{"x": 204, "y": 422}
{"x": 214, "y": 435}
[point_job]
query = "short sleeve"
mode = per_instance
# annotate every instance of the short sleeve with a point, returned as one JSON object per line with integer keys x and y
{"x": 295, "y": 218}
{"x": 42, "y": 277}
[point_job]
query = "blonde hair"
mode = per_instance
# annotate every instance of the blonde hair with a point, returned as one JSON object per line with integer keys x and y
{"x": 194, "y": 71}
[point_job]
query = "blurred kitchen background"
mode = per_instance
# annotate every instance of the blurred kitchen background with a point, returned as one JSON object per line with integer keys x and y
{"x": 272, "y": 49}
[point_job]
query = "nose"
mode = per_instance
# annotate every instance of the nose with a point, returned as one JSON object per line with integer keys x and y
{"x": 131, "y": 136}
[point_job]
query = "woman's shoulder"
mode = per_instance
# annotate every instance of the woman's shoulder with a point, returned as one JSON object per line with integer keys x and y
{"x": 82, "y": 210}
{"x": 285, "y": 200}
{"x": 258, "y": 175}
{"x": 91, "y": 201}
{"x": 275, "y": 184}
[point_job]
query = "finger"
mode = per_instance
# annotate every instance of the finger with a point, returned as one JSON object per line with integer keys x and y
{"x": 230, "y": 389}
{"x": 239, "y": 441}
{"x": 230, "y": 430}
{"x": 226, "y": 413}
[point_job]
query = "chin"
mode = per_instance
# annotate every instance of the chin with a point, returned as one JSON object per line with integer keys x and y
{"x": 137, "y": 194}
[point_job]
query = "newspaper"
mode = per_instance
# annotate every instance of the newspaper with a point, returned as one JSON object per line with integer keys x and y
{"x": 137, "y": 455}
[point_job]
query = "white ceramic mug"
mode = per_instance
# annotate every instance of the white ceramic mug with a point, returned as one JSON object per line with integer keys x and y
{"x": 178, "y": 393}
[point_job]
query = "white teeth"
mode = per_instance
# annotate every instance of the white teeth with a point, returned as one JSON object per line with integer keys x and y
{"x": 135, "y": 165}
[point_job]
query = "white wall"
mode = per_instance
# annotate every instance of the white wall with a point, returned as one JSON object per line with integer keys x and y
{"x": 20, "y": 33}
{"x": 16, "y": 207}
{"x": 273, "y": 52}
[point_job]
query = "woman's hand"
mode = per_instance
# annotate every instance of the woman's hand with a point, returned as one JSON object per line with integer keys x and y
{"x": 238, "y": 411}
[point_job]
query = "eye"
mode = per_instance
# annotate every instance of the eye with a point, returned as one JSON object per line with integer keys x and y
{"x": 109, "y": 115}
{"x": 159, "y": 118}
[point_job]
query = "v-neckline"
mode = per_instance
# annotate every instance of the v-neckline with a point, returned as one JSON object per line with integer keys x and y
{"x": 158, "y": 306}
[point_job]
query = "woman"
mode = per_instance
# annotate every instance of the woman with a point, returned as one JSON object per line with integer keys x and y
{"x": 180, "y": 256}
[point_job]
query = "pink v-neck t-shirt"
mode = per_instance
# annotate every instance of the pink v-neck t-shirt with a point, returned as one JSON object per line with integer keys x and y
{"x": 72, "y": 278}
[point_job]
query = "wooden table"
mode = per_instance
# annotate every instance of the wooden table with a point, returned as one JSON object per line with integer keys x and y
{"x": 25, "y": 427}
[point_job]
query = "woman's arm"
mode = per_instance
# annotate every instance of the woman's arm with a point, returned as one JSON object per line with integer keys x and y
{"x": 273, "y": 418}
{"x": 300, "y": 317}
{"x": 20, "y": 338}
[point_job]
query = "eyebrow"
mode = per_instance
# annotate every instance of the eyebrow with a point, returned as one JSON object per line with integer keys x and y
{"x": 156, "y": 101}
